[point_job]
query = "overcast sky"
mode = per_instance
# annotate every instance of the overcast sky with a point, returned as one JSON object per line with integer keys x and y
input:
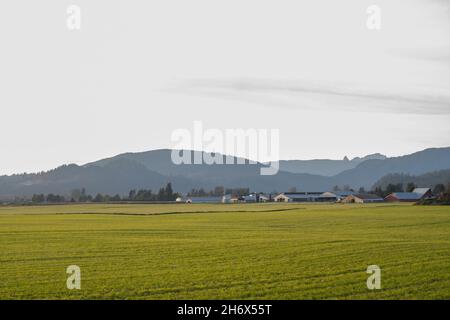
{"x": 138, "y": 70}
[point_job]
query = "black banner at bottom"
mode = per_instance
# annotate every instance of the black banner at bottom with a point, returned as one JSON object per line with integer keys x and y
{"x": 223, "y": 309}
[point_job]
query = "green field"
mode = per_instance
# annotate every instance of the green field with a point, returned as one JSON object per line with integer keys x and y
{"x": 259, "y": 251}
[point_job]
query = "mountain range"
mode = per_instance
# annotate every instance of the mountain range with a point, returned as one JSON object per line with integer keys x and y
{"x": 325, "y": 167}
{"x": 153, "y": 169}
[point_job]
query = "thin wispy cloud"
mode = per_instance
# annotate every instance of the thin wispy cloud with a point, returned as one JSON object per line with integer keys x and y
{"x": 303, "y": 94}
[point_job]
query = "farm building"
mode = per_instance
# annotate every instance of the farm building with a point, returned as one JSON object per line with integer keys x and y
{"x": 416, "y": 195}
{"x": 256, "y": 197}
{"x": 205, "y": 199}
{"x": 362, "y": 198}
{"x": 228, "y": 198}
{"x": 334, "y": 195}
{"x": 253, "y": 197}
{"x": 305, "y": 197}
{"x": 342, "y": 194}
{"x": 327, "y": 197}
{"x": 425, "y": 192}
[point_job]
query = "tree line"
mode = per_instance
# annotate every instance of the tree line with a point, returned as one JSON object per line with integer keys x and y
{"x": 430, "y": 179}
{"x": 167, "y": 193}
{"x": 218, "y": 192}
{"x": 438, "y": 189}
{"x": 80, "y": 196}
{"x": 409, "y": 187}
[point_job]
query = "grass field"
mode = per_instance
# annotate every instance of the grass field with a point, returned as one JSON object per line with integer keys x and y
{"x": 260, "y": 251}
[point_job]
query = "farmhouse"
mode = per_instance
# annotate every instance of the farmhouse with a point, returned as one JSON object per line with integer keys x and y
{"x": 362, "y": 198}
{"x": 416, "y": 195}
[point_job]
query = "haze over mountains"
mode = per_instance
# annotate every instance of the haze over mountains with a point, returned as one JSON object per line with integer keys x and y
{"x": 325, "y": 167}
{"x": 152, "y": 169}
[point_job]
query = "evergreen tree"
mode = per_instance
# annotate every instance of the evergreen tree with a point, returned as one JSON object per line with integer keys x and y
{"x": 439, "y": 188}
{"x": 410, "y": 187}
{"x": 168, "y": 192}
